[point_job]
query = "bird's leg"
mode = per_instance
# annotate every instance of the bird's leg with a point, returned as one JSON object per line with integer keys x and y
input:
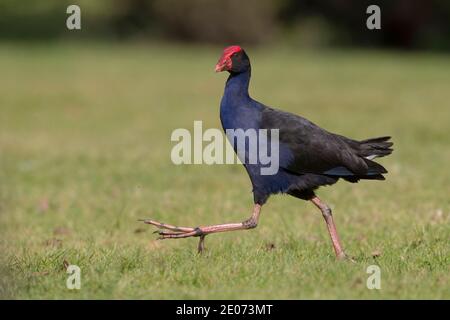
{"x": 185, "y": 232}
{"x": 326, "y": 213}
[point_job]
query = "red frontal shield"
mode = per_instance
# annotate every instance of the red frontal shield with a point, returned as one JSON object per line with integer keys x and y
{"x": 224, "y": 62}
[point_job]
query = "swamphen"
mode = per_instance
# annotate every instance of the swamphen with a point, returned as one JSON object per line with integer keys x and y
{"x": 309, "y": 156}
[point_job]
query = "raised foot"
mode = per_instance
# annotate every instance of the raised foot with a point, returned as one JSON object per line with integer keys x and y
{"x": 167, "y": 231}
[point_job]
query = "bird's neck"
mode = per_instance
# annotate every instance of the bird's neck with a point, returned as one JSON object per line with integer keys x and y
{"x": 237, "y": 85}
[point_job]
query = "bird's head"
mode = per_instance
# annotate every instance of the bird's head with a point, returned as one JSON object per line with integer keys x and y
{"x": 234, "y": 60}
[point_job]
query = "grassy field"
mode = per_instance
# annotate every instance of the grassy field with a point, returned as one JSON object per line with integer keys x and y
{"x": 85, "y": 152}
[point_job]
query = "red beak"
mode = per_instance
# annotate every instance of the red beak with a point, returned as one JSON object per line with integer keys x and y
{"x": 223, "y": 64}
{"x": 218, "y": 68}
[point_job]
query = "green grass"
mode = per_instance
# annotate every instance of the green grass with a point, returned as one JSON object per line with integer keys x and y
{"x": 85, "y": 152}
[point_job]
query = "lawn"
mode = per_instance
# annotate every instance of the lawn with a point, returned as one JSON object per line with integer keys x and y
{"x": 85, "y": 152}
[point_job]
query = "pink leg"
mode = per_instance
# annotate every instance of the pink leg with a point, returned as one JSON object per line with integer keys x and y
{"x": 326, "y": 213}
{"x": 185, "y": 232}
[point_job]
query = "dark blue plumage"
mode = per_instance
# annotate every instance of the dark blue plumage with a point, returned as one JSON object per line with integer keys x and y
{"x": 309, "y": 156}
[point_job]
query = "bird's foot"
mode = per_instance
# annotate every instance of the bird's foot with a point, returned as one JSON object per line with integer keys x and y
{"x": 167, "y": 231}
{"x": 342, "y": 256}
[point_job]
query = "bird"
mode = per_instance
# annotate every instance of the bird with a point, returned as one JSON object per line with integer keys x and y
{"x": 309, "y": 156}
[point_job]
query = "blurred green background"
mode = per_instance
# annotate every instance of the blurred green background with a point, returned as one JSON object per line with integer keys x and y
{"x": 85, "y": 124}
{"x": 406, "y": 24}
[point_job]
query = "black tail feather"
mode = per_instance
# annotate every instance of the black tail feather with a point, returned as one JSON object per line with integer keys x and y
{"x": 354, "y": 179}
{"x": 375, "y": 168}
{"x": 375, "y": 172}
{"x": 376, "y": 147}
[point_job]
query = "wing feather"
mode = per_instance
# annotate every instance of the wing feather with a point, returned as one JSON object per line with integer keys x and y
{"x": 313, "y": 149}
